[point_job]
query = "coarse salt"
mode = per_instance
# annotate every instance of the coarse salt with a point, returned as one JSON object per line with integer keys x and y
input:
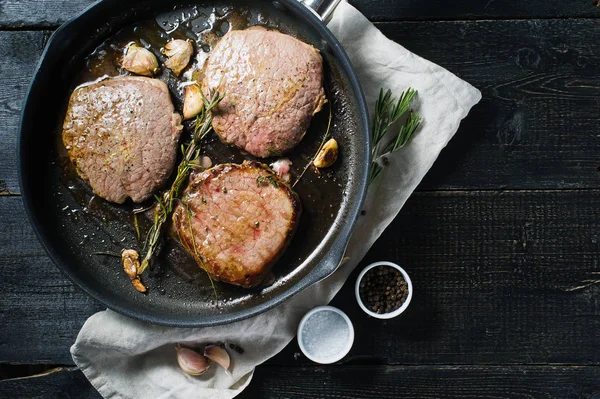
{"x": 325, "y": 336}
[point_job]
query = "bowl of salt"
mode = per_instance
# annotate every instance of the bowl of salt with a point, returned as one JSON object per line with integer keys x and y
{"x": 325, "y": 335}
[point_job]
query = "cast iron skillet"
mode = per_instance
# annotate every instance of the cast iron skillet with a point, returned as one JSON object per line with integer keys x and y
{"x": 76, "y": 228}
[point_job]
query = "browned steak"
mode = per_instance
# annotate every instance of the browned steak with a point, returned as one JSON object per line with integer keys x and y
{"x": 236, "y": 221}
{"x": 122, "y": 134}
{"x": 273, "y": 85}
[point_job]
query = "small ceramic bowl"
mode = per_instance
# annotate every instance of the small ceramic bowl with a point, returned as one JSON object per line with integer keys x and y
{"x": 325, "y": 335}
{"x": 394, "y": 313}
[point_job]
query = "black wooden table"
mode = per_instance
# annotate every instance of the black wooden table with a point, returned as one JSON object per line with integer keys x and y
{"x": 501, "y": 239}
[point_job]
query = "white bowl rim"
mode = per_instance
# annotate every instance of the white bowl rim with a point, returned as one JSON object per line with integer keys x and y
{"x": 342, "y": 353}
{"x": 395, "y": 312}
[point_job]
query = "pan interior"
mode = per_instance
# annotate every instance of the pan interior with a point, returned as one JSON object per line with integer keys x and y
{"x": 81, "y": 231}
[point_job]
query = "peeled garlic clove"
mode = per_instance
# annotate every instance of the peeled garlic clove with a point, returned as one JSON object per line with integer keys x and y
{"x": 218, "y": 355}
{"x": 205, "y": 162}
{"x": 328, "y": 155}
{"x": 192, "y": 101}
{"x": 139, "y": 60}
{"x": 179, "y": 53}
{"x": 191, "y": 361}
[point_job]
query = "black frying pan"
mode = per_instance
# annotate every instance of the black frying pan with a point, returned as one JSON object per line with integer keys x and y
{"x": 75, "y": 227}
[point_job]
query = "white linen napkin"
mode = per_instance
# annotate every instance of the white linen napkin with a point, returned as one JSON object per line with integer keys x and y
{"x": 125, "y": 358}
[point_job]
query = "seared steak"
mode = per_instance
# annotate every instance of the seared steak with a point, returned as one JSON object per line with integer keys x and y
{"x": 236, "y": 221}
{"x": 273, "y": 85}
{"x": 121, "y": 134}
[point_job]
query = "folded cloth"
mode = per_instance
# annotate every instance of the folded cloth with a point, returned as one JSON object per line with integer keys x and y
{"x": 125, "y": 358}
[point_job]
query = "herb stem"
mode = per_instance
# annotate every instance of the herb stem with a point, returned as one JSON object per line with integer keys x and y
{"x": 191, "y": 152}
{"x": 323, "y": 141}
{"x": 388, "y": 111}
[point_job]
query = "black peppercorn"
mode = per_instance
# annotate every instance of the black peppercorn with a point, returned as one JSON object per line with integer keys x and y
{"x": 383, "y": 289}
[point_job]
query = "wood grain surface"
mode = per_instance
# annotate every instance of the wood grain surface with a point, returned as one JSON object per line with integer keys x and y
{"x": 45, "y": 13}
{"x": 501, "y": 239}
{"x": 364, "y": 382}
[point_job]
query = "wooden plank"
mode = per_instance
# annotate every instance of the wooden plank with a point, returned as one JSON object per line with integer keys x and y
{"x": 537, "y": 126}
{"x": 20, "y": 53}
{"x": 48, "y": 13}
{"x": 38, "y": 304}
{"x": 500, "y": 278}
{"x": 396, "y": 382}
{"x": 391, "y": 10}
{"x": 356, "y": 382}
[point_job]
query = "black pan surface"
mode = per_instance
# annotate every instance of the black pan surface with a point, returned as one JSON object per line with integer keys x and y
{"x": 78, "y": 229}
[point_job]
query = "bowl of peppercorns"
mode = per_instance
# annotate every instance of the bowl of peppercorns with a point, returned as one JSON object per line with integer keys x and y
{"x": 383, "y": 290}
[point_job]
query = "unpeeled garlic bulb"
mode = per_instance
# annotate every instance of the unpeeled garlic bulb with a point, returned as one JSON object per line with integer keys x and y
{"x": 140, "y": 60}
{"x": 179, "y": 53}
{"x": 191, "y": 361}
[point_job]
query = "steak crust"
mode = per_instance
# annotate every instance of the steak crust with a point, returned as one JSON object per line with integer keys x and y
{"x": 121, "y": 134}
{"x": 273, "y": 85}
{"x": 236, "y": 221}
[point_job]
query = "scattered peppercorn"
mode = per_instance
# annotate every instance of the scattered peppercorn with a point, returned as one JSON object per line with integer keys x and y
{"x": 383, "y": 289}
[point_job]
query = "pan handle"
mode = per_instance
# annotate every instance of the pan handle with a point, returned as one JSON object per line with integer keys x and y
{"x": 323, "y": 8}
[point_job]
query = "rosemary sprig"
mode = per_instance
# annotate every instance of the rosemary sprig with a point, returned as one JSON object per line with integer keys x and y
{"x": 191, "y": 153}
{"x": 388, "y": 110}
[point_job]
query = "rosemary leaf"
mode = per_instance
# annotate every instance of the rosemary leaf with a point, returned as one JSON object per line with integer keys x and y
{"x": 388, "y": 110}
{"x": 136, "y": 225}
{"x": 406, "y": 131}
{"x": 191, "y": 151}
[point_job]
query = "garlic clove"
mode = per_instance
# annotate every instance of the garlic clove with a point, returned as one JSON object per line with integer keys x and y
{"x": 139, "y": 60}
{"x": 328, "y": 154}
{"x": 131, "y": 262}
{"x": 218, "y": 355}
{"x": 191, "y": 361}
{"x": 138, "y": 285}
{"x": 206, "y": 162}
{"x": 179, "y": 53}
{"x": 192, "y": 101}
{"x": 282, "y": 167}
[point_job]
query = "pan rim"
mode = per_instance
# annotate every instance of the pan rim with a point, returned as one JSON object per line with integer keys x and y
{"x": 334, "y": 254}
